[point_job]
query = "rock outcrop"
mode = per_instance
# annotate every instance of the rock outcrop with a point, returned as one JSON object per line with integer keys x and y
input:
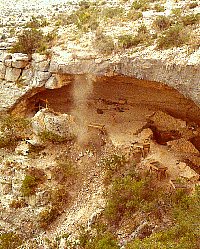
{"x": 61, "y": 125}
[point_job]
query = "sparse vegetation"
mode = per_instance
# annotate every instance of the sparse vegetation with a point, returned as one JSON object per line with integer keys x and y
{"x": 175, "y": 36}
{"x": 59, "y": 199}
{"x": 85, "y": 18}
{"x": 13, "y": 130}
{"x": 134, "y": 15}
{"x": 10, "y": 240}
{"x": 162, "y": 23}
{"x": 17, "y": 204}
{"x": 47, "y": 216}
{"x": 64, "y": 172}
{"x": 112, "y": 12}
{"x": 33, "y": 40}
{"x": 190, "y": 19}
{"x": 143, "y": 5}
{"x": 49, "y": 136}
{"x": 104, "y": 44}
{"x": 193, "y": 5}
{"x": 185, "y": 231}
{"x": 159, "y": 8}
{"x": 33, "y": 178}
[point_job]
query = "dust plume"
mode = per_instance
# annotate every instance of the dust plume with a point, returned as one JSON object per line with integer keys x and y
{"x": 83, "y": 88}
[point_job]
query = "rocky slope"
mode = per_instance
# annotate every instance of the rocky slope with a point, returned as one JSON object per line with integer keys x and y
{"x": 78, "y": 118}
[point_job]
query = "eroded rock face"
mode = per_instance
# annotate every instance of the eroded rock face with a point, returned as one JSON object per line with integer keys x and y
{"x": 12, "y": 74}
{"x": 2, "y": 70}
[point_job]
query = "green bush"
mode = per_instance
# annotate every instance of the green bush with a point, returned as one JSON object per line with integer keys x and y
{"x": 177, "y": 12}
{"x": 175, "y": 36}
{"x": 128, "y": 41}
{"x": 33, "y": 40}
{"x": 185, "y": 231}
{"x": 29, "y": 185}
{"x": 124, "y": 197}
{"x": 10, "y": 240}
{"x": 162, "y": 23}
{"x": 29, "y": 41}
{"x": 103, "y": 240}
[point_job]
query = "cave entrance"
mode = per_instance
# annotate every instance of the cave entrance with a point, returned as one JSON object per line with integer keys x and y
{"x": 122, "y": 104}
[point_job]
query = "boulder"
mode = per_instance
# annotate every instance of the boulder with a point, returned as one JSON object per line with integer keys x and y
{"x": 61, "y": 125}
{"x": 165, "y": 122}
{"x": 19, "y": 64}
{"x": 186, "y": 172}
{"x": 20, "y": 60}
{"x": 183, "y": 147}
{"x": 2, "y": 70}
{"x": 40, "y": 78}
{"x": 12, "y": 74}
{"x": 42, "y": 66}
{"x": 4, "y": 56}
{"x": 27, "y": 76}
{"x": 52, "y": 83}
{"x": 8, "y": 62}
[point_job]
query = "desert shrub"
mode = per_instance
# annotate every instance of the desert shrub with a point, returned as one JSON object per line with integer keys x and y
{"x": 34, "y": 23}
{"x": 59, "y": 199}
{"x": 64, "y": 172}
{"x": 10, "y": 240}
{"x": 124, "y": 197}
{"x": 33, "y": 178}
{"x": 49, "y": 136}
{"x": 33, "y": 40}
{"x": 103, "y": 240}
{"x": 185, "y": 231}
{"x": 113, "y": 164}
{"x": 17, "y": 204}
{"x": 29, "y": 185}
{"x": 159, "y": 8}
{"x": 190, "y": 19}
{"x": 29, "y": 41}
{"x": 47, "y": 216}
{"x": 104, "y": 44}
{"x": 85, "y": 19}
{"x": 143, "y": 5}
{"x": 13, "y": 130}
{"x": 128, "y": 41}
{"x": 162, "y": 23}
{"x": 193, "y": 5}
{"x": 176, "y": 12}
{"x": 175, "y": 36}
{"x": 112, "y": 12}
{"x": 134, "y": 15}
